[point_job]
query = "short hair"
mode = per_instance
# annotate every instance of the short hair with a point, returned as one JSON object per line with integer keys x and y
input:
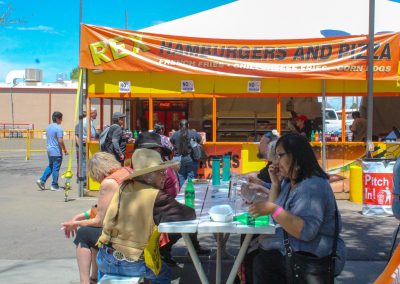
{"x": 304, "y": 162}
{"x": 101, "y": 165}
{"x": 271, "y": 155}
{"x": 56, "y": 115}
{"x": 355, "y": 114}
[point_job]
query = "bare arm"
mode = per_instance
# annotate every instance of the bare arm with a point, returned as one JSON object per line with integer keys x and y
{"x": 275, "y": 182}
{"x": 107, "y": 189}
{"x": 253, "y": 178}
{"x": 62, "y": 145}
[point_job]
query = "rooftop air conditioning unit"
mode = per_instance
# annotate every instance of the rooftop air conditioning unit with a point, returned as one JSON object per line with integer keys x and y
{"x": 33, "y": 75}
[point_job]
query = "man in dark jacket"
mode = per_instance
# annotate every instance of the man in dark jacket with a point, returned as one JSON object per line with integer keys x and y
{"x": 116, "y": 138}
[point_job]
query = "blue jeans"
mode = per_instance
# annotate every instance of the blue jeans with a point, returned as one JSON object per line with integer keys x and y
{"x": 107, "y": 264}
{"x": 52, "y": 169}
{"x": 188, "y": 169}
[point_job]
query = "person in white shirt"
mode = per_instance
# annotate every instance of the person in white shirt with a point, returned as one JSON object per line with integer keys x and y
{"x": 93, "y": 135}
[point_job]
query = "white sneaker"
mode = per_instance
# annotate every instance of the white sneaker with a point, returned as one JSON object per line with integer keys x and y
{"x": 40, "y": 184}
{"x": 55, "y": 188}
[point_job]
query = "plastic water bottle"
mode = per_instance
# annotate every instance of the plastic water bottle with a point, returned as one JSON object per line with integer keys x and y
{"x": 316, "y": 136}
{"x": 216, "y": 164}
{"x": 189, "y": 194}
{"x": 226, "y": 169}
{"x": 312, "y": 136}
{"x": 247, "y": 219}
{"x": 135, "y": 134}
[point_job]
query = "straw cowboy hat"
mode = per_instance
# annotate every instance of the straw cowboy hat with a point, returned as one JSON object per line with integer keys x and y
{"x": 146, "y": 161}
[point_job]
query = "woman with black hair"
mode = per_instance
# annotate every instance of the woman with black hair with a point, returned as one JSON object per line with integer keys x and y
{"x": 183, "y": 151}
{"x": 302, "y": 202}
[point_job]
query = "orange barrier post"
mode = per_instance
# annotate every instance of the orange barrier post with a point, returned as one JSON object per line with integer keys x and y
{"x": 391, "y": 274}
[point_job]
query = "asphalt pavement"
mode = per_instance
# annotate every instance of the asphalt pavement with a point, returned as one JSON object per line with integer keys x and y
{"x": 34, "y": 249}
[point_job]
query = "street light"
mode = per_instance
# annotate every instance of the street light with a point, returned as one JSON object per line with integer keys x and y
{"x": 13, "y": 84}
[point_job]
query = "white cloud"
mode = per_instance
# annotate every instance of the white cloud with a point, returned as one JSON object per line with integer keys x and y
{"x": 45, "y": 29}
{"x": 158, "y": 22}
{"x": 6, "y": 67}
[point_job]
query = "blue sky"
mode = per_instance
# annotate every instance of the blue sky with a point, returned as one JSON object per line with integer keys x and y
{"x": 49, "y": 38}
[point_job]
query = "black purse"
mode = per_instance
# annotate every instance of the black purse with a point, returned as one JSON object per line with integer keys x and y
{"x": 198, "y": 152}
{"x": 304, "y": 267}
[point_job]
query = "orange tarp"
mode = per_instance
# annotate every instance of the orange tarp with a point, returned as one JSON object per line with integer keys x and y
{"x": 324, "y": 58}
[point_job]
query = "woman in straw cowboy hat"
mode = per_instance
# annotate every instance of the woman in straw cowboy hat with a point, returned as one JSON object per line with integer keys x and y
{"x": 129, "y": 241}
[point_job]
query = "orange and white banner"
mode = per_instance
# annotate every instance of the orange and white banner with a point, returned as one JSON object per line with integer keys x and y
{"x": 324, "y": 58}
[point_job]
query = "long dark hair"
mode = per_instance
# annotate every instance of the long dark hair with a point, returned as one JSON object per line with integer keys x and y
{"x": 184, "y": 139}
{"x": 304, "y": 162}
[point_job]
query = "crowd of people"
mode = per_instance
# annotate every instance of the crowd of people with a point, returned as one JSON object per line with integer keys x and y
{"x": 118, "y": 235}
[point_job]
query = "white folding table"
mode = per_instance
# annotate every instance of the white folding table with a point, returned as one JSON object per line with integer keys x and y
{"x": 206, "y": 197}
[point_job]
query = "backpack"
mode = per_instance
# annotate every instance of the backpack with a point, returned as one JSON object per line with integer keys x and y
{"x": 104, "y": 140}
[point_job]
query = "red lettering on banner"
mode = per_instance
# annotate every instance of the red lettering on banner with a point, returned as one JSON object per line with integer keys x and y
{"x": 378, "y": 188}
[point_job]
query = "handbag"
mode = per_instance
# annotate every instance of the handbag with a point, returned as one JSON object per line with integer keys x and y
{"x": 198, "y": 152}
{"x": 304, "y": 267}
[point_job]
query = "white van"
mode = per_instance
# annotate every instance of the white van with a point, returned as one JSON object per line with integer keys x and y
{"x": 332, "y": 121}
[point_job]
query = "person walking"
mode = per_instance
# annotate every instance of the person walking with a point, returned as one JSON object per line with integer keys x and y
{"x": 359, "y": 127}
{"x": 183, "y": 151}
{"x": 93, "y": 135}
{"x": 55, "y": 147}
{"x": 116, "y": 140}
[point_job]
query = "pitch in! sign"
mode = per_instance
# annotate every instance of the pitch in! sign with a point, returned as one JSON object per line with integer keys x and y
{"x": 378, "y": 188}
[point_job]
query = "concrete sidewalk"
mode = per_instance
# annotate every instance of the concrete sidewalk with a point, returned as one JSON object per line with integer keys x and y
{"x": 65, "y": 271}
{"x": 34, "y": 250}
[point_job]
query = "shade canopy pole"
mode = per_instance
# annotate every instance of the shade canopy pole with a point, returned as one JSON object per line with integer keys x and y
{"x": 370, "y": 78}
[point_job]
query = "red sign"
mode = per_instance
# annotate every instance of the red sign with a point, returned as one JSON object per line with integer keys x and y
{"x": 165, "y": 104}
{"x": 234, "y": 151}
{"x": 378, "y": 188}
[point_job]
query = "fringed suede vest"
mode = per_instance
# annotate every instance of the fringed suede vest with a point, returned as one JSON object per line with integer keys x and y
{"x": 129, "y": 222}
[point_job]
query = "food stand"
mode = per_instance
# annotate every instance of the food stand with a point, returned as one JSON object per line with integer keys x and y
{"x": 211, "y": 74}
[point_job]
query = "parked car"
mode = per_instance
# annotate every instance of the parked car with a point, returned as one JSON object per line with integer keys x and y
{"x": 332, "y": 121}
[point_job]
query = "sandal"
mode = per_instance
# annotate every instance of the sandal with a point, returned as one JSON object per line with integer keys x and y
{"x": 93, "y": 280}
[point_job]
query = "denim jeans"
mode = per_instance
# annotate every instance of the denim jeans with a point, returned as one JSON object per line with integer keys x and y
{"x": 107, "y": 264}
{"x": 52, "y": 169}
{"x": 188, "y": 169}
